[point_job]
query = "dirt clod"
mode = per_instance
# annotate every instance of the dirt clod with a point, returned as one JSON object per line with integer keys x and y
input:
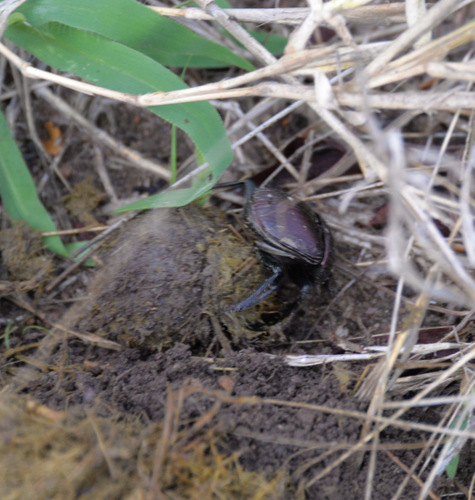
{"x": 170, "y": 279}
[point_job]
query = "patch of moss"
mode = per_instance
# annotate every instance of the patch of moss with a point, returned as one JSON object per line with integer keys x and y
{"x": 83, "y": 200}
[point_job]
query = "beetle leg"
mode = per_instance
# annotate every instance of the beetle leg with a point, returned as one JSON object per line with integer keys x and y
{"x": 270, "y": 285}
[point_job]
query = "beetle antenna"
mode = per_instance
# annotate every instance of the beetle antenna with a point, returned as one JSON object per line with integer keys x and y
{"x": 249, "y": 186}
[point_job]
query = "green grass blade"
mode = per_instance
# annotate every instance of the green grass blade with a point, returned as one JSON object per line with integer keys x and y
{"x": 74, "y": 247}
{"x": 134, "y": 25}
{"x": 115, "y": 66}
{"x": 451, "y": 469}
{"x": 173, "y": 198}
{"x": 18, "y": 190}
{"x": 275, "y": 44}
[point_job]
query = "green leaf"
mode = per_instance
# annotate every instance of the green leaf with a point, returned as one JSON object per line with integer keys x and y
{"x": 74, "y": 247}
{"x": 115, "y": 66}
{"x": 451, "y": 469}
{"x": 275, "y": 44}
{"x": 224, "y": 4}
{"x": 136, "y": 26}
{"x": 171, "y": 198}
{"x": 18, "y": 190}
{"x": 16, "y": 17}
{"x": 94, "y": 58}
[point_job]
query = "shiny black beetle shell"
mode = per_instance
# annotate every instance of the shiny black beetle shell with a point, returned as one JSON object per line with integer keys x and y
{"x": 292, "y": 240}
{"x": 287, "y": 228}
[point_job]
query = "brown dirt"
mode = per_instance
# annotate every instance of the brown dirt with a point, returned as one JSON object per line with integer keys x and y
{"x": 196, "y": 403}
{"x": 167, "y": 275}
{"x": 268, "y": 436}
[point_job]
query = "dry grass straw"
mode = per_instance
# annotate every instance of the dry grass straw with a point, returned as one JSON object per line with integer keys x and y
{"x": 57, "y": 455}
{"x": 387, "y": 66}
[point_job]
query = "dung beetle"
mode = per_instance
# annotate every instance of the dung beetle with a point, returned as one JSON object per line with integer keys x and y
{"x": 291, "y": 238}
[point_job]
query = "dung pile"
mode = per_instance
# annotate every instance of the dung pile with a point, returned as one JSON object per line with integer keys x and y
{"x": 171, "y": 278}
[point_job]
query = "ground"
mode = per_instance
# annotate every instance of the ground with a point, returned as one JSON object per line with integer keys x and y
{"x": 153, "y": 383}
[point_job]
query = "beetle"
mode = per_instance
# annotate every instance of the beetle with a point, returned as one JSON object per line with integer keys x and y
{"x": 291, "y": 238}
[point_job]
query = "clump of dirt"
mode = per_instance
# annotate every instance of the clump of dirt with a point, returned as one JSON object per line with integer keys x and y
{"x": 172, "y": 278}
{"x": 23, "y": 255}
{"x": 83, "y": 200}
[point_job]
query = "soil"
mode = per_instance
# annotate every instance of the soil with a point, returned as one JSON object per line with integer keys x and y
{"x": 192, "y": 401}
{"x": 161, "y": 295}
{"x": 269, "y": 437}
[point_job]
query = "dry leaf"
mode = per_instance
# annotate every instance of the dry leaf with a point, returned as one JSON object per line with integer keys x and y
{"x": 54, "y": 144}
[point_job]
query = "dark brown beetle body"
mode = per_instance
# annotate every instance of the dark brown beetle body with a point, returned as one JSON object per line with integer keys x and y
{"x": 287, "y": 228}
{"x": 291, "y": 238}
